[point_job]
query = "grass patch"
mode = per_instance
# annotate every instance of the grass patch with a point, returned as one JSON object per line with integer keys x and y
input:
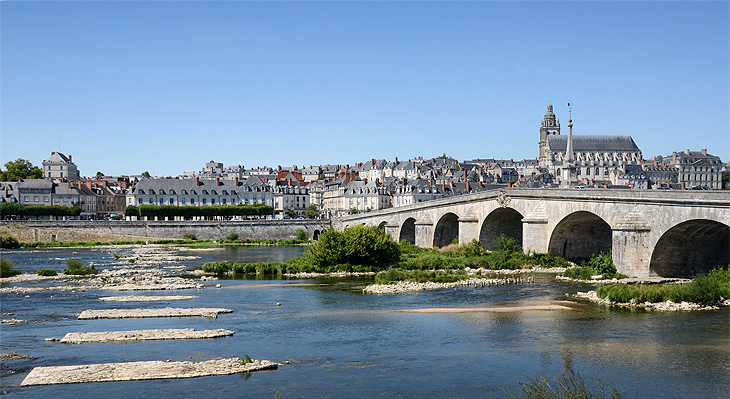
{"x": 47, "y": 272}
{"x": 601, "y": 264}
{"x": 705, "y": 289}
{"x": 568, "y": 386}
{"x": 6, "y": 268}
{"x": 75, "y": 267}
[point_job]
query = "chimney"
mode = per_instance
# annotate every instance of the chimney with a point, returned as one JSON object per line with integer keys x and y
{"x": 655, "y": 162}
{"x": 69, "y": 158}
{"x": 684, "y": 186}
{"x": 103, "y": 183}
{"x": 704, "y": 151}
{"x": 405, "y": 181}
{"x": 365, "y": 181}
{"x": 467, "y": 185}
{"x": 217, "y": 181}
{"x": 288, "y": 181}
{"x": 197, "y": 181}
{"x": 396, "y": 160}
{"x": 443, "y": 186}
{"x": 236, "y": 181}
{"x": 372, "y": 161}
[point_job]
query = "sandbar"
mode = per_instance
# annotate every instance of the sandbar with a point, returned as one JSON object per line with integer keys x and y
{"x": 142, "y": 335}
{"x": 144, "y": 313}
{"x": 147, "y": 298}
{"x": 147, "y": 370}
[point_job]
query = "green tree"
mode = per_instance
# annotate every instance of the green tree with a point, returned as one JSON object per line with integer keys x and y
{"x": 311, "y": 212}
{"x": 146, "y": 175}
{"x": 20, "y": 169}
{"x": 99, "y": 174}
{"x": 353, "y": 211}
{"x": 290, "y": 213}
{"x": 357, "y": 246}
{"x": 302, "y": 235}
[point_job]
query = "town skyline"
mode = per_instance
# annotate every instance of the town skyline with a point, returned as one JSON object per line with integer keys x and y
{"x": 174, "y": 85}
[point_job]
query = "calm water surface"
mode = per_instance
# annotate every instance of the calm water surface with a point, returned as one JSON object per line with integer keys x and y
{"x": 344, "y": 344}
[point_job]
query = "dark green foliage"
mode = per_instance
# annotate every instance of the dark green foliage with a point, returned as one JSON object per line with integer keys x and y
{"x": 507, "y": 244}
{"x": 9, "y": 242}
{"x": 473, "y": 248}
{"x": 6, "y": 268}
{"x": 47, "y": 272}
{"x": 705, "y": 289}
{"x": 245, "y": 359}
{"x": 189, "y": 237}
{"x": 302, "y": 236}
{"x": 170, "y": 211}
{"x": 603, "y": 264}
{"x": 20, "y": 169}
{"x": 580, "y": 273}
{"x": 394, "y": 275}
{"x": 131, "y": 210}
{"x": 75, "y": 267}
{"x": 8, "y": 209}
{"x": 357, "y": 246}
{"x": 567, "y": 386}
{"x": 232, "y": 237}
{"x": 311, "y": 212}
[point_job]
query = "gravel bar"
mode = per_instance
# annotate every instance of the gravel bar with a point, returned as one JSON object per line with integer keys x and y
{"x": 149, "y": 370}
{"x": 144, "y": 313}
{"x": 142, "y": 335}
{"x": 147, "y": 298}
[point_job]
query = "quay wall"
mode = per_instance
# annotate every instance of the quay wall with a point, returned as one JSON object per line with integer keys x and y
{"x": 81, "y": 230}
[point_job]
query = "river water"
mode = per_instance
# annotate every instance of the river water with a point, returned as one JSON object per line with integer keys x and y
{"x": 344, "y": 344}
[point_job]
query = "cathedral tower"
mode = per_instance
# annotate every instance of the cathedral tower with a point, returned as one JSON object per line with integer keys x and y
{"x": 550, "y": 126}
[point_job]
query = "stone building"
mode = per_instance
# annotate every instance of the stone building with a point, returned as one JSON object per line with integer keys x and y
{"x": 59, "y": 166}
{"x": 696, "y": 168}
{"x": 593, "y": 155}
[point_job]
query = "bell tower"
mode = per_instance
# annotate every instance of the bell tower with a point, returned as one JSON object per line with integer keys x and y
{"x": 550, "y": 126}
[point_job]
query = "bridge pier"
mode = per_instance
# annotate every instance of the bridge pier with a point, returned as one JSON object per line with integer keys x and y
{"x": 424, "y": 233}
{"x": 535, "y": 231}
{"x": 468, "y": 229}
{"x": 392, "y": 229}
{"x": 631, "y": 245}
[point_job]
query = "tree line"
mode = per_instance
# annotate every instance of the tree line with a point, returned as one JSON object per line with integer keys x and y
{"x": 13, "y": 209}
{"x": 193, "y": 211}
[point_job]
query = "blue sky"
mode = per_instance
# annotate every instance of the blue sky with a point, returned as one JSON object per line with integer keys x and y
{"x": 166, "y": 86}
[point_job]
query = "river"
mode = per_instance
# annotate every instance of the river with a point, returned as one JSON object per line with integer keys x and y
{"x": 344, "y": 344}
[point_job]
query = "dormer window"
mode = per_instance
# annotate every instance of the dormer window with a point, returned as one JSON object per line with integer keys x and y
{"x": 205, "y": 192}
{"x": 192, "y": 192}
{"x": 213, "y": 192}
{"x": 184, "y": 192}
{"x": 140, "y": 191}
{"x": 152, "y": 191}
{"x": 225, "y": 192}
{"x": 233, "y": 192}
{"x": 172, "y": 192}
{"x": 162, "y": 192}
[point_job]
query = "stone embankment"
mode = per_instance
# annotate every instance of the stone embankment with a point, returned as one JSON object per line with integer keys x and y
{"x": 148, "y": 370}
{"x": 409, "y": 286}
{"x": 142, "y": 335}
{"x": 632, "y": 280}
{"x": 93, "y": 314}
{"x": 661, "y": 306}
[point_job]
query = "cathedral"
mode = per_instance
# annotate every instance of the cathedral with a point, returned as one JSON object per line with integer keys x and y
{"x": 582, "y": 158}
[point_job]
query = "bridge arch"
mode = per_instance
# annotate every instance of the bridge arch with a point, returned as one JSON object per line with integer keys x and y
{"x": 505, "y": 221}
{"x": 446, "y": 230}
{"x": 315, "y": 235}
{"x": 382, "y": 224}
{"x": 691, "y": 247}
{"x": 579, "y": 236}
{"x": 408, "y": 231}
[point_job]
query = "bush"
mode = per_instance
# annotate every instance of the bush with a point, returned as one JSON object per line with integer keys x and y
{"x": 232, "y": 237}
{"x": 9, "y": 242}
{"x": 189, "y": 237}
{"x": 82, "y": 271}
{"x": 357, "y": 246}
{"x": 74, "y": 264}
{"x": 47, "y": 272}
{"x": 507, "y": 244}
{"x": 302, "y": 236}
{"x": 603, "y": 264}
{"x": 6, "y": 268}
{"x": 473, "y": 248}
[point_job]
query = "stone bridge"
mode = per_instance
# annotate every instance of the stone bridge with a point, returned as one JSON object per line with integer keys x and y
{"x": 650, "y": 232}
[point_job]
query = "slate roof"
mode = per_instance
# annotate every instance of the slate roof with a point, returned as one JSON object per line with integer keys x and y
{"x": 589, "y": 143}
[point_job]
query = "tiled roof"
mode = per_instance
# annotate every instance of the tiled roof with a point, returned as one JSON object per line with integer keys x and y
{"x": 587, "y": 143}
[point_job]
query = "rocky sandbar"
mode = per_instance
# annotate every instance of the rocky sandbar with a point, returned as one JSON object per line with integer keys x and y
{"x": 145, "y": 313}
{"x": 142, "y": 335}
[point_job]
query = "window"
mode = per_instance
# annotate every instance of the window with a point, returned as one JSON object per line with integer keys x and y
{"x": 26, "y": 198}
{"x": 225, "y": 192}
{"x": 184, "y": 192}
{"x": 162, "y": 201}
{"x": 61, "y": 174}
{"x": 598, "y": 171}
{"x": 192, "y": 192}
{"x": 35, "y": 198}
{"x": 205, "y": 192}
{"x": 45, "y": 198}
{"x": 203, "y": 201}
{"x": 172, "y": 201}
{"x": 162, "y": 192}
{"x": 213, "y": 192}
{"x": 139, "y": 200}
{"x": 192, "y": 201}
{"x": 150, "y": 201}
{"x": 183, "y": 201}
{"x": 49, "y": 173}
{"x": 212, "y": 201}
{"x": 224, "y": 201}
